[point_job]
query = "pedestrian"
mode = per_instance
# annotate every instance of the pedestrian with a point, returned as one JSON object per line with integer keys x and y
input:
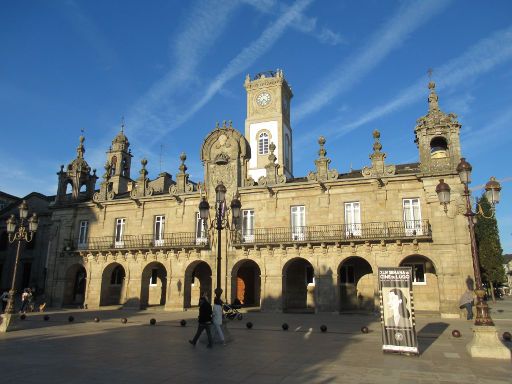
{"x": 4, "y": 298}
{"x": 205, "y": 321}
{"x": 466, "y": 301}
{"x": 24, "y": 300}
{"x": 217, "y": 319}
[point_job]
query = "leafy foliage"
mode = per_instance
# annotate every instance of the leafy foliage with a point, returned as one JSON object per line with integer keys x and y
{"x": 489, "y": 247}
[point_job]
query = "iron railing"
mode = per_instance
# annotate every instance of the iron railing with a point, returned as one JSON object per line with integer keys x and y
{"x": 335, "y": 232}
{"x": 168, "y": 240}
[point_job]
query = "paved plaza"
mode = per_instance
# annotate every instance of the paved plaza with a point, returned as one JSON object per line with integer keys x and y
{"x": 57, "y": 351}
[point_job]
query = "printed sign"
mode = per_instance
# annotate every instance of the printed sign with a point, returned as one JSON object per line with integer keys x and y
{"x": 397, "y": 310}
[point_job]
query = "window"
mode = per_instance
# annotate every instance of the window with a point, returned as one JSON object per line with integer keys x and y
{"x": 347, "y": 275}
{"x": 201, "y": 230}
{"x": 248, "y": 225}
{"x": 352, "y": 219}
{"x": 298, "y": 220}
{"x": 154, "y": 277}
{"x": 412, "y": 217}
{"x": 159, "y": 230}
{"x": 418, "y": 273}
{"x": 263, "y": 143}
{"x": 83, "y": 233}
{"x": 120, "y": 223}
{"x": 117, "y": 276}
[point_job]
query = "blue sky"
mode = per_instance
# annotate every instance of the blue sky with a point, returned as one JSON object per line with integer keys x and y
{"x": 174, "y": 68}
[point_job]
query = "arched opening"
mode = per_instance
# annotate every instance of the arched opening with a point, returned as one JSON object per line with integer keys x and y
{"x": 113, "y": 285}
{"x": 153, "y": 285}
{"x": 198, "y": 281}
{"x": 113, "y": 165}
{"x": 438, "y": 148}
{"x": 69, "y": 188}
{"x": 298, "y": 286}
{"x": 356, "y": 285}
{"x": 424, "y": 281}
{"x": 246, "y": 283}
{"x": 75, "y": 285}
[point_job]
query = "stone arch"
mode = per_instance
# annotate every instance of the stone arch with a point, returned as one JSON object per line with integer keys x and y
{"x": 153, "y": 289}
{"x": 425, "y": 282}
{"x": 356, "y": 282}
{"x": 298, "y": 285}
{"x": 438, "y": 147}
{"x": 198, "y": 281}
{"x": 75, "y": 285}
{"x": 113, "y": 285}
{"x": 68, "y": 187}
{"x": 246, "y": 283}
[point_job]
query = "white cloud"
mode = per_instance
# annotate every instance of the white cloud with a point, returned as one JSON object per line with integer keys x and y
{"x": 477, "y": 60}
{"x": 382, "y": 43}
{"x": 243, "y": 60}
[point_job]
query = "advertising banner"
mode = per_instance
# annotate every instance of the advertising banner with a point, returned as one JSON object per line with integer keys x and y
{"x": 397, "y": 310}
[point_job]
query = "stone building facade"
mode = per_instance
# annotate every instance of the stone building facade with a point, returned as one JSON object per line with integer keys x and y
{"x": 32, "y": 265}
{"x": 307, "y": 243}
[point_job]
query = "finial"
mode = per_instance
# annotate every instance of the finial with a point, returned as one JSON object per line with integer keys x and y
{"x": 223, "y": 123}
{"x": 183, "y": 157}
{"x": 230, "y": 123}
{"x": 322, "y": 152}
{"x": 144, "y": 162}
{"x": 217, "y": 125}
{"x": 430, "y": 71}
{"x": 377, "y": 146}
{"x": 122, "y": 124}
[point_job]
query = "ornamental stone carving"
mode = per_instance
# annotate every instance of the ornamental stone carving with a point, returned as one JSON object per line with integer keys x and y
{"x": 378, "y": 168}
{"x": 323, "y": 173}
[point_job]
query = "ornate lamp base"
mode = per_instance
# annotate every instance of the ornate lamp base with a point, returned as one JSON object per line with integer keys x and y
{"x": 8, "y": 322}
{"x": 486, "y": 344}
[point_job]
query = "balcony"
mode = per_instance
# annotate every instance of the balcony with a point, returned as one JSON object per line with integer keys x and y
{"x": 135, "y": 242}
{"x": 336, "y": 233}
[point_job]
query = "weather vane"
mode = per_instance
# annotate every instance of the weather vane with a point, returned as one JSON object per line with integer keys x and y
{"x": 430, "y": 71}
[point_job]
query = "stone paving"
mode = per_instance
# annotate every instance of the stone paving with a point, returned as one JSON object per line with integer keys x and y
{"x": 57, "y": 351}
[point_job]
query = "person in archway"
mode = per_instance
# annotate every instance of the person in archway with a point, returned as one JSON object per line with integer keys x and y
{"x": 397, "y": 304}
{"x": 205, "y": 321}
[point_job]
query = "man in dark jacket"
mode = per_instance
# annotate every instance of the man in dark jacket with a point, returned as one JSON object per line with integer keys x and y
{"x": 205, "y": 320}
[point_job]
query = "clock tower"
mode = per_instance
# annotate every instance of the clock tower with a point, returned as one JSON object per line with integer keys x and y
{"x": 268, "y": 121}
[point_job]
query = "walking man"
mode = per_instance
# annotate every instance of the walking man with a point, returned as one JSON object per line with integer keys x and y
{"x": 205, "y": 320}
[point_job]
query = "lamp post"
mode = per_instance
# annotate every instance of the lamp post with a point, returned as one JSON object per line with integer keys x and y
{"x": 220, "y": 222}
{"x": 485, "y": 342}
{"x": 24, "y": 232}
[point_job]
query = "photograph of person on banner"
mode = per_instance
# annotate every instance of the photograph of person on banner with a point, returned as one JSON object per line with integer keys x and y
{"x": 398, "y": 313}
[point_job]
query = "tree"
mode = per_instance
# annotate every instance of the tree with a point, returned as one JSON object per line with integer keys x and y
{"x": 490, "y": 252}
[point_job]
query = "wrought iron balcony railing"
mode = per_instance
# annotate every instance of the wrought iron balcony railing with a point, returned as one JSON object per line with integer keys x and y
{"x": 335, "y": 233}
{"x": 168, "y": 240}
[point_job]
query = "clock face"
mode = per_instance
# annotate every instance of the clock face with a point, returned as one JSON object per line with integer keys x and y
{"x": 263, "y": 99}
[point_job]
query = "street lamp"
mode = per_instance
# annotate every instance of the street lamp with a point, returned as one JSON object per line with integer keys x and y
{"x": 221, "y": 222}
{"x": 485, "y": 337}
{"x": 22, "y": 233}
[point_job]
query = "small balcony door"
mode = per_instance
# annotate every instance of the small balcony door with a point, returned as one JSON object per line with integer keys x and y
{"x": 248, "y": 225}
{"x": 298, "y": 221}
{"x": 412, "y": 217}
{"x": 83, "y": 234}
{"x": 120, "y": 224}
{"x": 159, "y": 230}
{"x": 353, "y": 219}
